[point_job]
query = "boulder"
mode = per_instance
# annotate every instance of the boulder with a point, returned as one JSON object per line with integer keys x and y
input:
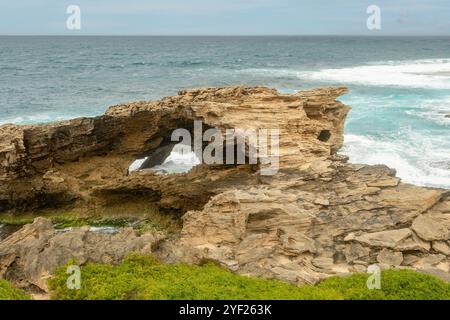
{"x": 442, "y": 247}
{"x": 355, "y": 251}
{"x": 431, "y": 228}
{"x": 383, "y": 239}
{"x": 390, "y": 257}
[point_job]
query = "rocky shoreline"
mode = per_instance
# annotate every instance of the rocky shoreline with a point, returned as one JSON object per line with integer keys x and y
{"x": 319, "y": 216}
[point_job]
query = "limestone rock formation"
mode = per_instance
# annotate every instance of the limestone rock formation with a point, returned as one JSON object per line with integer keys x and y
{"x": 318, "y": 216}
{"x": 281, "y": 230}
{"x": 87, "y": 159}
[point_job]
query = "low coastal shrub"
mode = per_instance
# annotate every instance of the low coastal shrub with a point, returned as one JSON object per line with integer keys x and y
{"x": 8, "y": 292}
{"x": 395, "y": 285}
{"x": 145, "y": 278}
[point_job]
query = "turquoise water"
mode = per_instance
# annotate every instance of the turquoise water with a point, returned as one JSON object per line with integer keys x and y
{"x": 400, "y": 87}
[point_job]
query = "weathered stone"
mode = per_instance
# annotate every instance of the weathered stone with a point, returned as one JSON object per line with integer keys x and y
{"x": 430, "y": 228}
{"x": 322, "y": 202}
{"x": 359, "y": 268}
{"x": 429, "y": 260}
{"x": 384, "y": 239}
{"x": 442, "y": 247}
{"x": 414, "y": 243}
{"x": 390, "y": 257}
{"x": 388, "y": 182}
{"x": 410, "y": 259}
{"x": 30, "y": 256}
{"x": 355, "y": 251}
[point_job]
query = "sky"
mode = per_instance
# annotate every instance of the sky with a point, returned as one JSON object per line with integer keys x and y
{"x": 225, "y": 17}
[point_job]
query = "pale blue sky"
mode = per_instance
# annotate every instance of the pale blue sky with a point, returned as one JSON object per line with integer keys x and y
{"x": 225, "y": 17}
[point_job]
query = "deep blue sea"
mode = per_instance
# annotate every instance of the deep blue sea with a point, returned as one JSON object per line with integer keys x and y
{"x": 400, "y": 87}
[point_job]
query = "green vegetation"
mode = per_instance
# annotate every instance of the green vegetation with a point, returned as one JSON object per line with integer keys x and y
{"x": 395, "y": 285}
{"x": 8, "y": 292}
{"x": 145, "y": 278}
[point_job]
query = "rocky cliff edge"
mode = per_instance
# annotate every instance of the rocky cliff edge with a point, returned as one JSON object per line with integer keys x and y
{"x": 318, "y": 216}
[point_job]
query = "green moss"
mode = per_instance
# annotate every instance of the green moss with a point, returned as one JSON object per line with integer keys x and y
{"x": 15, "y": 220}
{"x": 145, "y": 278}
{"x": 66, "y": 222}
{"x": 143, "y": 216}
{"x": 8, "y": 292}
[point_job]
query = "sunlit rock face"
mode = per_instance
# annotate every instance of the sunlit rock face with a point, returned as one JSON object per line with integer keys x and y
{"x": 318, "y": 216}
{"x": 88, "y": 159}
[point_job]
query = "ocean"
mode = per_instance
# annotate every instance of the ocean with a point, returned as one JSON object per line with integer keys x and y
{"x": 399, "y": 86}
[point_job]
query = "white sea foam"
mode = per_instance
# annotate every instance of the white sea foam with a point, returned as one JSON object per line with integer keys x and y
{"x": 177, "y": 162}
{"x": 429, "y": 74}
{"x": 104, "y": 230}
{"x": 434, "y": 110}
{"x": 419, "y": 160}
{"x": 32, "y": 119}
{"x": 136, "y": 164}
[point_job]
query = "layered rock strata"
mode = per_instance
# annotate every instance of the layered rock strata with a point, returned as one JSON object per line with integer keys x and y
{"x": 318, "y": 216}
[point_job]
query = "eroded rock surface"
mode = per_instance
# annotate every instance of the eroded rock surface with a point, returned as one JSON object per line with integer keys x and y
{"x": 319, "y": 216}
{"x": 30, "y": 256}
{"x": 86, "y": 159}
{"x": 304, "y": 231}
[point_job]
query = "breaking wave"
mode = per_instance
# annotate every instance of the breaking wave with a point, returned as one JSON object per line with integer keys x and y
{"x": 425, "y": 74}
{"x": 418, "y": 160}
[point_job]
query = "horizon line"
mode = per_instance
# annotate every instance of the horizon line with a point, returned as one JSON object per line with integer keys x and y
{"x": 224, "y": 35}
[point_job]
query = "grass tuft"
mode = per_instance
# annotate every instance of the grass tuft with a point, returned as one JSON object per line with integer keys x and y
{"x": 8, "y": 292}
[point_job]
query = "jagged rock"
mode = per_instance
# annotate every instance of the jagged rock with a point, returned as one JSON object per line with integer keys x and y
{"x": 414, "y": 243}
{"x": 410, "y": 259}
{"x": 390, "y": 257}
{"x": 157, "y": 157}
{"x": 383, "y": 239}
{"x": 442, "y": 247}
{"x": 31, "y": 255}
{"x": 431, "y": 260}
{"x": 388, "y": 182}
{"x": 355, "y": 252}
{"x": 430, "y": 228}
{"x": 318, "y": 216}
{"x": 322, "y": 202}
